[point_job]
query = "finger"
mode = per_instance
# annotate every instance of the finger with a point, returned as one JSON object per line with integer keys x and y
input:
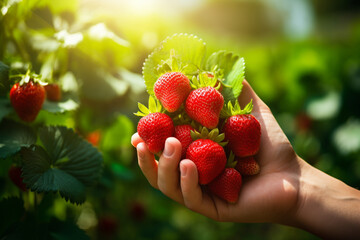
{"x": 136, "y": 139}
{"x": 193, "y": 196}
{"x": 247, "y": 94}
{"x": 168, "y": 170}
{"x": 147, "y": 164}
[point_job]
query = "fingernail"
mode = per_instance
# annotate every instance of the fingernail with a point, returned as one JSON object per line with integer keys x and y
{"x": 183, "y": 170}
{"x": 169, "y": 149}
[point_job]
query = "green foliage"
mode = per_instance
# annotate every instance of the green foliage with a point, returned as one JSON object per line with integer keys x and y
{"x": 13, "y": 137}
{"x": 66, "y": 164}
{"x": 13, "y": 209}
{"x": 188, "y": 50}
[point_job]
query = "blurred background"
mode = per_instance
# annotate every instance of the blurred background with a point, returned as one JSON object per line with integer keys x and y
{"x": 302, "y": 58}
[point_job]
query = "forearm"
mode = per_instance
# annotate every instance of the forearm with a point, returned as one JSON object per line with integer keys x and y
{"x": 327, "y": 207}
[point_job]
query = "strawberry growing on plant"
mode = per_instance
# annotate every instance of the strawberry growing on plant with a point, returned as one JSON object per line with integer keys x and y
{"x": 27, "y": 98}
{"x": 242, "y": 130}
{"x": 154, "y": 127}
{"x": 171, "y": 89}
{"x": 15, "y": 176}
{"x": 53, "y": 92}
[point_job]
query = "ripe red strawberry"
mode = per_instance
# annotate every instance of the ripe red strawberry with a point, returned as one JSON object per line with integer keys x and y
{"x": 247, "y": 166}
{"x": 53, "y": 92}
{"x": 243, "y": 133}
{"x": 227, "y": 185}
{"x": 209, "y": 158}
{"x": 15, "y": 176}
{"x": 204, "y": 106}
{"x": 171, "y": 89}
{"x": 27, "y": 99}
{"x": 182, "y": 133}
{"x": 154, "y": 129}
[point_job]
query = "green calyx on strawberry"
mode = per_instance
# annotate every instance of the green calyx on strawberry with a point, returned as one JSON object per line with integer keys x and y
{"x": 227, "y": 185}
{"x": 155, "y": 126}
{"x": 207, "y": 154}
{"x": 27, "y": 97}
{"x": 204, "y": 104}
{"x": 242, "y": 130}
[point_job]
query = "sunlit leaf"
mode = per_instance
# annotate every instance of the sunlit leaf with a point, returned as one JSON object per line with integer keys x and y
{"x": 234, "y": 79}
{"x": 189, "y": 52}
{"x": 14, "y": 136}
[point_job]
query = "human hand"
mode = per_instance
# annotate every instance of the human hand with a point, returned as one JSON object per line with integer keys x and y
{"x": 269, "y": 196}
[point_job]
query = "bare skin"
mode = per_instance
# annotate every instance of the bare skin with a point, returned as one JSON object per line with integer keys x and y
{"x": 287, "y": 190}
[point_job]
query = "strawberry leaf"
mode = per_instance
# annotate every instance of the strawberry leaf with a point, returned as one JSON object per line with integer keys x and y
{"x": 221, "y": 60}
{"x": 234, "y": 79}
{"x": 67, "y": 104}
{"x": 14, "y": 136}
{"x": 187, "y": 50}
{"x": 67, "y": 164}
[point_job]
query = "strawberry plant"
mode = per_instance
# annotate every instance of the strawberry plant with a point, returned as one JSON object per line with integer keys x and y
{"x": 200, "y": 93}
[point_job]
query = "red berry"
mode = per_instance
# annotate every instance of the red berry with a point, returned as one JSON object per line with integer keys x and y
{"x": 15, "y": 176}
{"x": 154, "y": 129}
{"x": 53, "y": 92}
{"x": 182, "y": 133}
{"x": 243, "y": 134}
{"x": 94, "y": 137}
{"x": 171, "y": 89}
{"x": 227, "y": 185}
{"x": 209, "y": 158}
{"x": 27, "y": 100}
{"x": 204, "y": 106}
{"x": 247, "y": 166}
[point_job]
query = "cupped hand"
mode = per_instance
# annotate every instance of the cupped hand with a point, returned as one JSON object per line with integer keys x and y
{"x": 270, "y": 196}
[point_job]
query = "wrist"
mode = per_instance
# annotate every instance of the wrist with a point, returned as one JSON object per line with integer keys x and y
{"x": 326, "y": 206}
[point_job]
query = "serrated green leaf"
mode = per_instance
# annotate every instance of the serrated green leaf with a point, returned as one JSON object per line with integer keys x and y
{"x": 85, "y": 161}
{"x": 41, "y": 176}
{"x": 189, "y": 51}
{"x": 14, "y": 136}
{"x": 234, "y": 79}
{"x": 68, "y": 165}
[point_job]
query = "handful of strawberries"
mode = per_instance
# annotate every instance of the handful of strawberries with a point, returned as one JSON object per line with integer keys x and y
{"x": 196, "y": 108}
